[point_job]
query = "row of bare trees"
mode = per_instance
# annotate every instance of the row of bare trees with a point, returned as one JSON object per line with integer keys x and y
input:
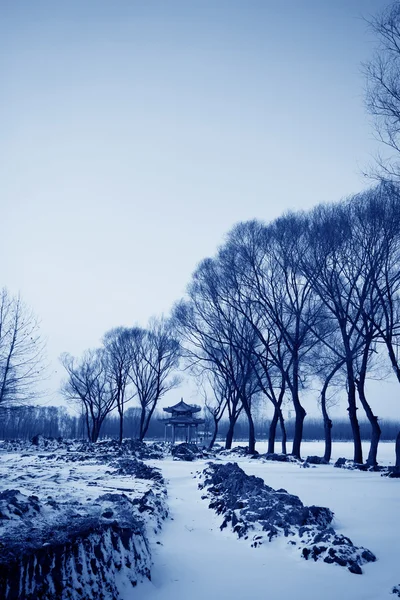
{"x": 311, "y": 296}
{"x": 131, "y": 363}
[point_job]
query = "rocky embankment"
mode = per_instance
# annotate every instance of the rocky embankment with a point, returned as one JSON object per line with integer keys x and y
{"x": 80, "y": 530}
{"x": 256, "y": 511}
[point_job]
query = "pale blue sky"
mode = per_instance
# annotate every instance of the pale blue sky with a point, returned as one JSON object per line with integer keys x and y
{"x": 134, "y": 134}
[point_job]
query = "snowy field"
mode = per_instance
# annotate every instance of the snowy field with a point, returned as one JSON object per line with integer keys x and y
{"x": 386, "y": 454}
{"x": 196, "y": 560}
{"x": 193, "y": 559}
{"x": 76, "y": 522}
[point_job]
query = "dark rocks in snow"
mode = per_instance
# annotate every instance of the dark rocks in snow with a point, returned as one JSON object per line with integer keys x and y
{"x": 14, "y": 506}
{"x": 396, "y": 590}
{"x": 66, "y": 544}
{"x": 392, "y": 472}
{"x": 137, "y": 468}
{"x": 78, "y": 450}
{"x": 154, "y": 506}
{"x": 345, "y": 463}
{"x": 189, "y": 452}
{"x": 70, "y": 551}
{"x": 143, "y": 450}
{"x": 350, "y": 465}
{"x": 237, "y": 451}
{"x": 334, "y": 548}
{"x": 249, "y": 505}
{"x": 279, "y": 457}
{"x": 316, "y": 460}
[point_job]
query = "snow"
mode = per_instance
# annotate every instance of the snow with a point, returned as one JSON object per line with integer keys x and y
{"x": 386, "y": 450}
{"x": 92, "y": 518}
{"x": 194, "y": 559}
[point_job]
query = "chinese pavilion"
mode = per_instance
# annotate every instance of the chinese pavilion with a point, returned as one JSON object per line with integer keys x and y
{"x": 182, "y": 422}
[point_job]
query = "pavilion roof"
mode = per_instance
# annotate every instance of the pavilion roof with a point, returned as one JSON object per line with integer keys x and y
{"x": 182, "y": 407}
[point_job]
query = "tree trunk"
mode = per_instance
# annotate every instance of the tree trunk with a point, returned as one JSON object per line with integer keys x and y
{"x": 298, "y": 430}
{"x": 283, "y": 432}
{"x": 95, "y": 431}
{"x": 229, "y": 435}
{"x": 272, "y": 430}
{"x": 327, "y": 423}
{"x": 352, "y": 410}
{"x": 375, "y": 429}
{"x": 88, "y": 426}
{"x": 396, "y": 369}
{"x": 141, "y": 426}
{"x": 121, "y": 426}
{"x": 214, "y": 435}
{"x": 299, "y": 410}
{"x": 327, "y": 431}
{"x": 398, "y": 452}
{"x": 148, "y": 419}
{"x": 252, "y": 433}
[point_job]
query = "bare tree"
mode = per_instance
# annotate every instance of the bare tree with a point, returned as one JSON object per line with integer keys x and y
{"x": 218, "y": 338}
{"x": 154, "y": 356}
{"x": 382, "y": 214}
{"x": 117, "y": 347}
{"x": 21, "y": 352}
{"x": 216, "y": 405}
{"x": 89, "y": 386}
{"x": 336, "y": 265}
{"x": 274, "y": 291}
{"x": 383, "y": 88}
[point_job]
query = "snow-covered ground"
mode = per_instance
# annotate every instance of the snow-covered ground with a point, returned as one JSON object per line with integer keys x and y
{"x": 386, "y": 450}
{"x": 74, "y": 524}
{"x": 194, "y": 559}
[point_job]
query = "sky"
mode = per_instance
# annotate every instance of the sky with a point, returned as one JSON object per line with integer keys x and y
{"x": 135, "y": 133}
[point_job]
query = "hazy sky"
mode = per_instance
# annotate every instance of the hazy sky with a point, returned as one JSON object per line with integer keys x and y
{"x": 134, "y": 134}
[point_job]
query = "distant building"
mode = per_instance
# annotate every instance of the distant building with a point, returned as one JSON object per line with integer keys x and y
{"x": 182, "y": 422}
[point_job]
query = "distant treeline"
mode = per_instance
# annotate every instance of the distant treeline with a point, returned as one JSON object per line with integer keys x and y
{"x": 55, "y": 421}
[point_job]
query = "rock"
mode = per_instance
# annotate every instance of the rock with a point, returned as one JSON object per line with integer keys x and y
{"x": 185, "y": 452}
{"x": 247, "y": 504}
{"x": 392, "y": 472}
{"x": 396, "y": 590}
{"x": 72, "y": 550}
{"x": 238, "y": 451}
{"x": 316, "y": 460}
{"x": 345, "y": 463}
{"x": 133, "y": 466}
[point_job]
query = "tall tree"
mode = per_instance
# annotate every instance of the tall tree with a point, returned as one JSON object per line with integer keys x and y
{"x": 381, "y": 219}
{"x": 218, "y": 338}
{"x": 154, "y": 356}
{"x": 337, "y": 266}
{"x": 22, "y": 364}
{"x": 117, "y": 347}
{"x": 275, "y": 293}
{"x": 383, "y": 88}
{"x": 88, "y": 385}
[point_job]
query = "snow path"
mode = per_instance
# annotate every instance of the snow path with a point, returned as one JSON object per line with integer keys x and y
{"x": 194, "y": 560}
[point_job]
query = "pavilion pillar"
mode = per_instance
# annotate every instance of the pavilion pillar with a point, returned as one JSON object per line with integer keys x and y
{"x": 173, "y": 434}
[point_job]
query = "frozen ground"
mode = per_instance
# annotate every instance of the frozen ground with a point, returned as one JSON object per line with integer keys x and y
{"x": 386, "y": 452}
{"x": 74, "y": 524}
{"x": 194, "y": 559}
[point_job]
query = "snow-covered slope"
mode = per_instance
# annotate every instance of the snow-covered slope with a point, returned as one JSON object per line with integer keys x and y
{"x": 75, "y": 523}
{"x": 197, "y": 560}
